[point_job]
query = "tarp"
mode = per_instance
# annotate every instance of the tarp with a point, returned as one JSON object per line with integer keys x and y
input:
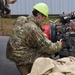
{"x": 47, "y": 66}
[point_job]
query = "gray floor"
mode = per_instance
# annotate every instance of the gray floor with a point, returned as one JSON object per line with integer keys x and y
{"x": 6, "y": 67}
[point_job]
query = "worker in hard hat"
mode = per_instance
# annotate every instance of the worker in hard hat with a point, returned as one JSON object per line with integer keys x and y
{"x": 28, "y": 42}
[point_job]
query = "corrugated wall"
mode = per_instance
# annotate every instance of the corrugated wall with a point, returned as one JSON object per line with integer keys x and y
{"x": 55, "y": 6}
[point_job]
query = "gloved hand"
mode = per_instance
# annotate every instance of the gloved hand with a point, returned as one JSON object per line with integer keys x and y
{"x": 61, "y": 40}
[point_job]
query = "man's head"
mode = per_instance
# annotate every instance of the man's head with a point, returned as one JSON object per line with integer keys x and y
{"x": 40, "y": 11}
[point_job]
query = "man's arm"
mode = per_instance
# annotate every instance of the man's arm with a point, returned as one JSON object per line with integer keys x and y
{"x": 45, "y": 45}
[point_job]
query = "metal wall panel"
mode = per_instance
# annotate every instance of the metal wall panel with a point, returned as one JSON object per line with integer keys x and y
{"x": 55, "y": 6}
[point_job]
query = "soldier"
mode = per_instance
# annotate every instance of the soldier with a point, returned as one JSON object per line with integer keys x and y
{"x": 28, "y": 42}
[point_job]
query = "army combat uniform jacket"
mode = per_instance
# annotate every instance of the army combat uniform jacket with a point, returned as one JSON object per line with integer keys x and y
{"x": 27, "y": 42}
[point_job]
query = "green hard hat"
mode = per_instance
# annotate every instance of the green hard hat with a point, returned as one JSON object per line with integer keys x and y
{"x": 42, "y": 8}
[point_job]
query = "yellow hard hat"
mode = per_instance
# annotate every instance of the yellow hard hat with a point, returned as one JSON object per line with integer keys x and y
{"x": 42, "y": 8}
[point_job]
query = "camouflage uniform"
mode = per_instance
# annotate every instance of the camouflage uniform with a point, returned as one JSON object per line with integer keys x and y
{"x": 27, "y": 42}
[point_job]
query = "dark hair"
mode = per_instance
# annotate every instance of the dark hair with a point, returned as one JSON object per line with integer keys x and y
{"x": 35, "y": 13}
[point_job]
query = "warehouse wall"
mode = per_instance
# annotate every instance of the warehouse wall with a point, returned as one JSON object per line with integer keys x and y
{"x": 55, "y": 6}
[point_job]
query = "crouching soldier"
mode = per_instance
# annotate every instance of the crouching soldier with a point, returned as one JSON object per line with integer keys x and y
{"x": 28, "y": 42}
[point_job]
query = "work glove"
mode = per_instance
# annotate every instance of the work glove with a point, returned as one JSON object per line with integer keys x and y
{"x": 62, "y": 41}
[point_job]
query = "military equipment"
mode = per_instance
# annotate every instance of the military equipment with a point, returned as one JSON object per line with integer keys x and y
{"x": 67, "y": 35}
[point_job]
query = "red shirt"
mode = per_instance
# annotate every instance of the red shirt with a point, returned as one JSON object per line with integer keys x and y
{"x": 47, "y": 30}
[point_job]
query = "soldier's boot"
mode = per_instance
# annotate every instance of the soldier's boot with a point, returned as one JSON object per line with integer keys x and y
{"x": 8, "y": 13}
{"x": 23, "y": 69}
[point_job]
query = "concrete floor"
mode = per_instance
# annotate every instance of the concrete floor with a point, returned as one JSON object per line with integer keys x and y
{"x": 6, "y": 67}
